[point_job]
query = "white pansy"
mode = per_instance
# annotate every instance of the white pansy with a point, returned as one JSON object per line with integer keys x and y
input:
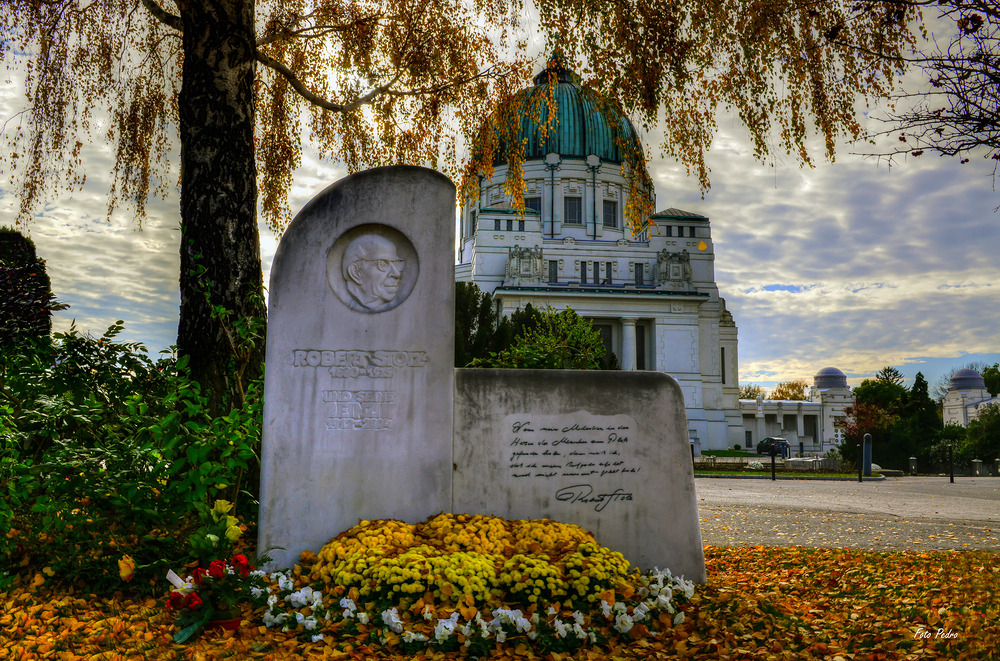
{"x": 363, "y": 618}
{"x": 256, "y": 592}
{"x": 606, "y": 609}
{"x": 679, "y": 617}
{"x": 309, "y": 623}
{"x": 501, "y": 636}
{"x": 623, "y": 623}
{"x": 428, "y": 613}
{"x": 552, "y": 611}
{"x": 620, "y": 607}
{"x": 561, "y": 630}
{"x": 318, "y": 637}
{"x": 533, "y": 635}
{"x": 578, "y": 631}
{"x": 578, "y": 617}
{"x": 391, "y": 619}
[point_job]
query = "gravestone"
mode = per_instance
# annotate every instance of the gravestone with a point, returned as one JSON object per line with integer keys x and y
{"x": 360, "y": 351}
{"x": 607, "y": 451}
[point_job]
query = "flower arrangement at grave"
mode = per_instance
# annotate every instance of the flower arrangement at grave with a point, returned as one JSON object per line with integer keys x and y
{"x": 216, "y": 591}
{"x": 471, "y": 582}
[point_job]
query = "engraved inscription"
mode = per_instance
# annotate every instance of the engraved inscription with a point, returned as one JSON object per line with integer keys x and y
{"x": 590, "y": 453}
{"x": 348, "y": 364}
{"x": 360, "y": 409}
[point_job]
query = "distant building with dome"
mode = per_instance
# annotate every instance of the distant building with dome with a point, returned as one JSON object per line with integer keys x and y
{"x": 966, "y": 397}
{"x": 653, "y": 297}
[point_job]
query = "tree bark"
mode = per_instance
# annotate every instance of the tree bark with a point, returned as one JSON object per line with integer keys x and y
{"x": 220, "y": 247}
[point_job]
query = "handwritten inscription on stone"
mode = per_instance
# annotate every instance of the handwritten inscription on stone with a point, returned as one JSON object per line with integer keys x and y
{"x": 586, "y": 457}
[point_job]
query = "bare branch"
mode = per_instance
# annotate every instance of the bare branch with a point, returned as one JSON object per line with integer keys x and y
{"x": 162, "y": 15}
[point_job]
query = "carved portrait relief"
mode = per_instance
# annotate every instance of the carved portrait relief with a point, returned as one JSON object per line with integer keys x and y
{"x": 372, "y": 268}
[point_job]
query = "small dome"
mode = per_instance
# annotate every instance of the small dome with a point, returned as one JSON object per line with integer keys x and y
{"x": 829, "y": 377}
{"x": 580, "y": 129}
{"x": 966, "y": 379}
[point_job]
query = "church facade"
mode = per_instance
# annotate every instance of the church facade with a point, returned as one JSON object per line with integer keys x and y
{"x": 652, "y": 296}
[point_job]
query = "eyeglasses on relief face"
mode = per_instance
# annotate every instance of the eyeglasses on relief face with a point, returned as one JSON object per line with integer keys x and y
{"x": 383, "y": 264}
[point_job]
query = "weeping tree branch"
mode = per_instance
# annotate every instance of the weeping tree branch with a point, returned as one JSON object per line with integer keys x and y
{"x": 162, "y": 15}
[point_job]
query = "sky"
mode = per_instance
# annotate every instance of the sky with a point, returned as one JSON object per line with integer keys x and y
{"x": 850, "y": 264}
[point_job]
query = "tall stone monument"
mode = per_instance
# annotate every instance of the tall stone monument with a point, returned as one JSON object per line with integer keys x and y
{"x": 360, "y": 346}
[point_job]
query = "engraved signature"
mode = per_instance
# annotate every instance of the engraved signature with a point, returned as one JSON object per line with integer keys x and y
{"x": 584, "y": 493}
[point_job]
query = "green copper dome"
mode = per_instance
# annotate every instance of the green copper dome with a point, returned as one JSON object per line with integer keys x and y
{"x": 580, "y": 128}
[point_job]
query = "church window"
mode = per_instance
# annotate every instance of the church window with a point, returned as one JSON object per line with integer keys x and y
{"x": 607, "y": 273}
{"x": 597, "y": 273}
{"x": 610, "y": 213}
{"x": 573, "y": 211}
{"x": 472, "y": 222}
{"x": 520, "y": 225}
{"x": 723, "y": 363}
{"x": 583, "y": 273}
{"x": 496, "y": 225}
{"x": 553, "y": 270}
{"x": 638, "y": 274}
{"x": 533, "y": 203}
{"x": 691, "y": 232}
{"x": 510, "y": 224}
{"x": 669, "y": 230}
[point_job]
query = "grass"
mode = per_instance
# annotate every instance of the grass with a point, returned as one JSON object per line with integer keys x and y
{"x": 729, "y": 453}
{"x": 759, "y": 603}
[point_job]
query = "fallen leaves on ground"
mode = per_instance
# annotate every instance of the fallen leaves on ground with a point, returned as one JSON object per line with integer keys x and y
{"x": 760, "y": 603}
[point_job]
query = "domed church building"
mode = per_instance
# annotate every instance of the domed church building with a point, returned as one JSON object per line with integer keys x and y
{"x": 652, "y": 296}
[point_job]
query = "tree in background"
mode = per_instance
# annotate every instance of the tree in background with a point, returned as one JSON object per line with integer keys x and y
{"x": 791, "y": 390}
{"x": 752, "y": 391}
{"x": 26, "y": 300}
{"x": 991, "y": 375}
{"x": 983, "y": 435}
{"x": 560, "y": 340}
{"x": 903, "y": 422}
{"x": 959, "y": 114}
{"x": 394, "y": 81}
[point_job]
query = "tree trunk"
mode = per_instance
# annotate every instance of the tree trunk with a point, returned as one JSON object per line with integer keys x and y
{"x": 220, "y": 246}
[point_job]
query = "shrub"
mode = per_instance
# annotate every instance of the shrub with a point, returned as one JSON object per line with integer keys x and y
{"x": 26, "y": 300}
{"x": 560, "y": 340}
{"x": 106, "y": 453}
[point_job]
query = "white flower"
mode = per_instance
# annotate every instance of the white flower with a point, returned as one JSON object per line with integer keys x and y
{"x": 410, "y": 637}
{"x": 623, "y": 623}
{"x": 428, "y": 613}
{"x": 445, "y": 628}
{"x": 391, "y": 618}
{"x": 534, "y": 617}
{"x": 466, "y": 630}
{"x": 593, "y": 637}
{"x": 551, "y": 611}
{"x": 606, "y": 609}
{"x": 533, "y": 635}
{"x": 363, "y": 618}
{"x": 639, "y": 612}
{"x": 501, "y": 636}
{"x": 318, "y": 637}
{"x": 578, "y": 617}
{"x": 309, "y": 623}
{"x": 522, "y": 624}
{"x": 560, "y": 627}
{"x": 620, "y": 607}
{"x": 272, "y": 600}
{"x": 679, "y": 617}
{"x": 212, "y": 538}
{"x": 578, "y": 631}
{"x": 348, "y": 604}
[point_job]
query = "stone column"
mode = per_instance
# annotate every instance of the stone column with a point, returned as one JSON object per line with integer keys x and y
{"x": 628, "y": 344}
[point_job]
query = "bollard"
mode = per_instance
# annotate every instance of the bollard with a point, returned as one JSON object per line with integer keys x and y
{"x": 913, "y": 465}
{"x": 860, "y": 461}
{"x": 774, "y": 452}
{"x": 868, "y": 455}
{"x": 977, "y": 468}
{"x": 951, "y": 462}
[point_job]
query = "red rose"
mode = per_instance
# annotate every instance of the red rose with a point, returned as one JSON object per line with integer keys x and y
{"x": 240, "y": 559}
{"x": 176, "y": 601}
{"x": 199, "y": 575}
{"x": 193, "y": 601}
{"x": 217, "y": 569}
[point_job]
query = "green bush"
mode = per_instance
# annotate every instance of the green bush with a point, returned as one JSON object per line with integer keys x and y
{"x": 557, "y": 340}
{"x": 107, "y": 453}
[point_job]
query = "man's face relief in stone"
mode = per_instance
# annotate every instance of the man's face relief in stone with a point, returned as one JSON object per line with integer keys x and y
{"x": 372, "y": 270}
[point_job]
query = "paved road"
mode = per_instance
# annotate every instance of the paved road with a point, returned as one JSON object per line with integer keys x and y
{"x": 922, "y": 513}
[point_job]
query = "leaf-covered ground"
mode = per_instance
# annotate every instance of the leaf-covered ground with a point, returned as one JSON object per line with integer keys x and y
{"x": 760, "y": 603}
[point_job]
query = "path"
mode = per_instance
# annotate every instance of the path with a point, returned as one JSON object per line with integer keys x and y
{"x": 921, "y": 513}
